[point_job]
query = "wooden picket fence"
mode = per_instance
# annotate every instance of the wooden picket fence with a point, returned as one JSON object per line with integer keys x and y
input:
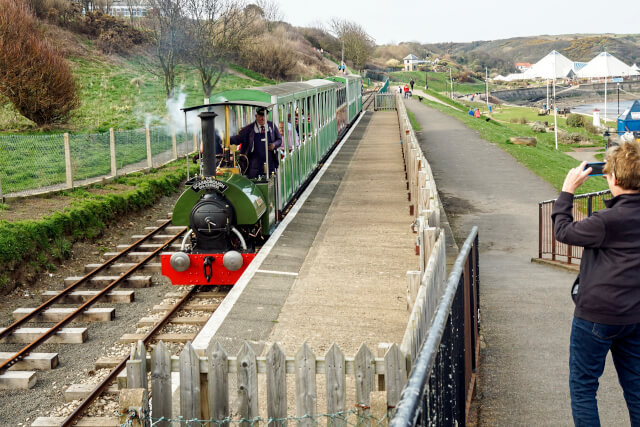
{"x": 425, "y": 287}
{"x": 204, "y": 389}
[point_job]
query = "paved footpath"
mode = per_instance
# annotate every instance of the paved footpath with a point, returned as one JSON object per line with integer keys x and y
{"x": 526, "y": 310}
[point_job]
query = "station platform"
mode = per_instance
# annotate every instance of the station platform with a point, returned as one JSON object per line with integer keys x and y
{"x": 335, "y": 271}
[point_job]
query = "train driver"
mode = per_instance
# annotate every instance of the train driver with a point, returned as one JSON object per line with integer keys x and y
{"x": 252, "y": 138}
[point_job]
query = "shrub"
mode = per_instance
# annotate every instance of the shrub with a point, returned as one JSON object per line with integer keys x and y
{"x": 113, "y": 34}
{"x": 589, "y": 127}
{"x": 275, "y": 62}
{"x": 33, "y": 76}
{"x": 575, "y": 120}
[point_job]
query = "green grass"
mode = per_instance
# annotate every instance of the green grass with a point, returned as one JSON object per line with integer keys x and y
{"x": 414, "y": 123}
{"x": 438, "y": 82}
{"x": 544, "y": 160}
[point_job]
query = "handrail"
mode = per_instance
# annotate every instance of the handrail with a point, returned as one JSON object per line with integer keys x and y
{"x": 408, "y": 409}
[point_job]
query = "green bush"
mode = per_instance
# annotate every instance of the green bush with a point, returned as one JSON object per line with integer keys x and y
{"x": 575, "y": 120}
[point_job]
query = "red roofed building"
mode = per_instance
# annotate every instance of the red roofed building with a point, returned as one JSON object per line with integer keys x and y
{"x": 522, "y": 66}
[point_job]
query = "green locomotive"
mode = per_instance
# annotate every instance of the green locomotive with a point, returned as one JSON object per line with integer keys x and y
{"x": 230, "y": 215}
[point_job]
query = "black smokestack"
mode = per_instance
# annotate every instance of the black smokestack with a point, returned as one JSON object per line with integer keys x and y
{"x": 208, "y": 142}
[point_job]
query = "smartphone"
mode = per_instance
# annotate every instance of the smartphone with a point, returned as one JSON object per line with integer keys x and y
{"x": 596, "y": 168}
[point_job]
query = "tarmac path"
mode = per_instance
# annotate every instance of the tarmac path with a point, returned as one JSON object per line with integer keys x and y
{"x": 526, "y": 310}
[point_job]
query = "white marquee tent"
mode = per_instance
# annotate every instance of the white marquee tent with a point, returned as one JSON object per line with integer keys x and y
{"x": 606, "y": 65}
{"x": 554, "y": 65}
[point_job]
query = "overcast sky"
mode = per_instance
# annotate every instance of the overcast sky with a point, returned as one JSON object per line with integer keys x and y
{"x": 465, "y": 20}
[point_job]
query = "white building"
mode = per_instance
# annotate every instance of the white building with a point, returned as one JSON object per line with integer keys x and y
{"x": 121, "y": 9}
{"x": 411, "y": 62}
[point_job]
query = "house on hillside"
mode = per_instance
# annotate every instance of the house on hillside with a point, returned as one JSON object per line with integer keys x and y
{"x": 411, "y": 62}
{"x": 522, "y": 66}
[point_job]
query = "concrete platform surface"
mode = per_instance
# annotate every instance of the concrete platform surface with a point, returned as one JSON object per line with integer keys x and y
{"x": 337, "y": 272}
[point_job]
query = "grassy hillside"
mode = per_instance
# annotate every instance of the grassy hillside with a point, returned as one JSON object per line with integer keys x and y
{"x": 122, "y": 93}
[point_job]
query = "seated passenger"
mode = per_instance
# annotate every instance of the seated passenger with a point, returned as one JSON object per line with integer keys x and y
{"x": 252, "y": 138}
{"x": 290, "y": 135}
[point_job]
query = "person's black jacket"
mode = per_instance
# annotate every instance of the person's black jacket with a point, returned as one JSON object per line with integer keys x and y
{"x": 609, "y": 290}
{"x": 246, "y": 138}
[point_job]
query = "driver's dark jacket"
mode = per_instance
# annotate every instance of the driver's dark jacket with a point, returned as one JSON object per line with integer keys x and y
{"x": 609, "y": 290}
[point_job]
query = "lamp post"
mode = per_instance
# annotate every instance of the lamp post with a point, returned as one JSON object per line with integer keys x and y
{"x": 618, "y": 98}
{"x": 426, "y": 77}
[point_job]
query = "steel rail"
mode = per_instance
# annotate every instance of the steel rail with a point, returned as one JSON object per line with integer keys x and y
{"x": 42, "y": 338}
{"x": 15, "y": 325}
{"x": 114, "y": 373}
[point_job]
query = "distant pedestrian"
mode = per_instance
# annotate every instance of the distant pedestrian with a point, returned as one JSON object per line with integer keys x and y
{"x": 406, "y": 91}
{"x": 490, "y": 110}
{"x": 476, "y": 113}
{"x": 471, "y": 112}
{"x": 412, "y": 83}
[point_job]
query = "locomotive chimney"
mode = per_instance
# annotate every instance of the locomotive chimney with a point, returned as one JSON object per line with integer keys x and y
{"x": 208, "y": 142}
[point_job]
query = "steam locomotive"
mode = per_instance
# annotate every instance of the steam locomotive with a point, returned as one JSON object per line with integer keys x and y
{"x": 229, "y": 216}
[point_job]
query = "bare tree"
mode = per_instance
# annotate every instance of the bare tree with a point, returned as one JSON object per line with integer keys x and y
{"x": 167, "y": 22}
{"x": 358, "y": 45}
{"x": 217, "y": 30}
{"x": 271, "y": 13}
{"x": 131, "y": 4}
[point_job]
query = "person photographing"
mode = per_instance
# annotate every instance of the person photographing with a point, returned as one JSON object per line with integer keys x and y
{"x": 607, "y": 290}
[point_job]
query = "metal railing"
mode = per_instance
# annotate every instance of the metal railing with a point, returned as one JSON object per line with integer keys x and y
{"x": 385, "y": 101}
{"x": 441, "y": 384}
{"x": 385, "y": 86}
{"x": 583, "y": 206}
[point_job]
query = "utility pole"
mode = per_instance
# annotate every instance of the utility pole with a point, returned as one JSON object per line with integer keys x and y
{"x": 618, "y": 98}
{"x": 342, "y": 62}
{"x": 486, "y": 79}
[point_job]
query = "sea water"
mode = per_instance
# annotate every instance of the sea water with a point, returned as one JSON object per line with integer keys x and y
{"x": 613, "y": 111}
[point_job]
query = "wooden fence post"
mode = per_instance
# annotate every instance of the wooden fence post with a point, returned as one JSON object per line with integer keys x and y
{"x": 190, "y": 407}
{"x": 364, "y": 373}
{"x": 67, "y": 160}
{"x": 195, "y": 142}
{"x": 174, "y": 143}
{"x": 217, "y": 377}
{"x": 149, "y": 155}
{"x": 306, "y": 392}
{"x": 335, "y": 377}
{"x": 395, "y": 374}
{"x": 413, "y": 279}
{"x": 276, "y": 386}
{"x": 137, "y": 367}
{"x": 112, "y": 149}
{"x": 161, "y": 383}
{"x": 247, "y": 385}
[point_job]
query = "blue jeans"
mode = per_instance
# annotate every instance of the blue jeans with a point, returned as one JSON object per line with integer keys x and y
{"x": 590, "y": 343}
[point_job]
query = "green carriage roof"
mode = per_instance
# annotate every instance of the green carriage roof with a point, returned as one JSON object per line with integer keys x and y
{"x": 264, "y": 93}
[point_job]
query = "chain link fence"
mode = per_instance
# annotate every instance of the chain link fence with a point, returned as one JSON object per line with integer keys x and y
{"x": 33, "y": 164}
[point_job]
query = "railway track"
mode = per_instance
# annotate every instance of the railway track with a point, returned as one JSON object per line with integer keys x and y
{"x": 75, "y": 302}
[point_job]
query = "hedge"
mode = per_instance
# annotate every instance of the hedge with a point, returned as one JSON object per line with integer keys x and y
{"x": 38, "y": 243}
